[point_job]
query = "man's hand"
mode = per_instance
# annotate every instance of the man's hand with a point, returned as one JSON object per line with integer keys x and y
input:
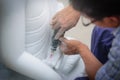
{"x": 71, "y": 47}
{"x": 65, "y": 20}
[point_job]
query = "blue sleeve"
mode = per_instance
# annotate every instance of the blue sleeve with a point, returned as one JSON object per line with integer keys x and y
{"x": 82, "y": 78}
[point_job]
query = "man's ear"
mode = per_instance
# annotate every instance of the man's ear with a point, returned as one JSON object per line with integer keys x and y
{"x": 112, "y": 21}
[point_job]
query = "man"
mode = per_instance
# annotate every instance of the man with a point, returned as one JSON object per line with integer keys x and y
{"x": 101, "y": 37}
{"x": 102, "y": 13}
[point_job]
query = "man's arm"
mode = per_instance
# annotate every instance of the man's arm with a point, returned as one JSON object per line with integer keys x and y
{"x": 92, "y": 64}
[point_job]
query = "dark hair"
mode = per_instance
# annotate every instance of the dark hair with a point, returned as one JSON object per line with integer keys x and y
{"x": 97, "y": 9}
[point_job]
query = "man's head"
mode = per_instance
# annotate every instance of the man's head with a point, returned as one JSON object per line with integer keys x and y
{"x": 105, "y": 12}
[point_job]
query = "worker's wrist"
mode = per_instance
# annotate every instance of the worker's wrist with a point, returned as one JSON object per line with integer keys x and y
{"x": 82, "y": 48}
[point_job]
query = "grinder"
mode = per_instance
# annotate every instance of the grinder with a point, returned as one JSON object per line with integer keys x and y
{"x": 55, "y": 42}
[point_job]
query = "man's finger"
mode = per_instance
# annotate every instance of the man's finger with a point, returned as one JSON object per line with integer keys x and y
{"x": 60, "y": 33}
{"x": 56, "y": 26}
{"x": 63, "y": 39}
{"x": 53, "y": 22}
{"x": 55, "y": 15}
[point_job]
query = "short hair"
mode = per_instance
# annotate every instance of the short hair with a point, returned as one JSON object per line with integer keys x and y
{"x": 97, "y": 9}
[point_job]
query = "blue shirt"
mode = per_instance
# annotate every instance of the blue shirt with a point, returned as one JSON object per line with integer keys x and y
{"x": 111, "y": 69}
{"x": 101, "y": 42}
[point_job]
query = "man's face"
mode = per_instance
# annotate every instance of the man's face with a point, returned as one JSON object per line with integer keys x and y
{"x": 111, "y": 22}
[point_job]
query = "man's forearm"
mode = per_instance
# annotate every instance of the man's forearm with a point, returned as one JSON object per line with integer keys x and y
{"x": 92, "y": 64}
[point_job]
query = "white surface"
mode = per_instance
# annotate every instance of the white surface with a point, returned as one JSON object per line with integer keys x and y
{"x": 16, "y": 37}
{"x": 26, "y": 39}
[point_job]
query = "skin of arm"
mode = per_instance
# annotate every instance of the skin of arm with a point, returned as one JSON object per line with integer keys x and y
{"x": 92, "y": 64}
{"x": 65, "y": 20}
{"x": 13, "y": 51}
